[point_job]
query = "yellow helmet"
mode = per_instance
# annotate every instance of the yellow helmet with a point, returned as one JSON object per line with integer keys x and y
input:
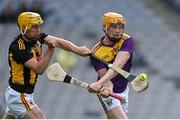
{"x": 27, "y": 19}
{"x": 112, "y": 17}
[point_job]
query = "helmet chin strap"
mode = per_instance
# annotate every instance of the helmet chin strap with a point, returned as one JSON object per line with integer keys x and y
{"x": 23, "y": 32}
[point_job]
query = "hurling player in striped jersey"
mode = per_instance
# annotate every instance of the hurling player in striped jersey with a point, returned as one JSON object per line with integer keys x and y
{"x": 26, "y": 63}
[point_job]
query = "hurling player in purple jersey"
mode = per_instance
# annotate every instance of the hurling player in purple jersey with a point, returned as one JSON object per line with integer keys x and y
{"x": 115, "y": 47}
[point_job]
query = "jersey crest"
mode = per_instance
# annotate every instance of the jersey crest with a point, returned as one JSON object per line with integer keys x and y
{"x": 21, "y": 44}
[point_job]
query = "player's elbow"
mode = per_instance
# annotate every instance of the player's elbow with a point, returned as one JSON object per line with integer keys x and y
{"x": 39, "y": 71}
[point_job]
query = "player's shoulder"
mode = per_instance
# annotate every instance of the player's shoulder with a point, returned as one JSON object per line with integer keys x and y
{"x": 125, "y": 36}
{"x": 17, "y": 44}
{"x": 96, "y": 46}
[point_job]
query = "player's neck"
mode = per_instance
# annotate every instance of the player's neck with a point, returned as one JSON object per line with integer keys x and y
{"x": 25, "y": 38}
{"x": 106, "y": 41}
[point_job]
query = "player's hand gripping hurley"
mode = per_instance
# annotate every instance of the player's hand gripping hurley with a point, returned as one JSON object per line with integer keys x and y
{"x": 56, "y": 73}
{"x": 139, "y": 83}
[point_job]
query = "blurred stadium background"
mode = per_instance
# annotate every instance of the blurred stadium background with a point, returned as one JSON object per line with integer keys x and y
{"x": 154, "y": 24}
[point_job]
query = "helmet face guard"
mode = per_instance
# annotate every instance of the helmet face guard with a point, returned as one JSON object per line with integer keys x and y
{"x": 27, "y": 19}
{"x": 112, "y": 19}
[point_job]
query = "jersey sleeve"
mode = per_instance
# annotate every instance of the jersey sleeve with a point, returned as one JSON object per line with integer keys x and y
{"x": 42, "y": 37}
{"x": 97, "y": 64}
{"x": 21, "y": 56}
{"x": 128, "y": 45}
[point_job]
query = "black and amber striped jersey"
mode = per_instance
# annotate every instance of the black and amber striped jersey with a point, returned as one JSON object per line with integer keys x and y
{"x": 22, "y": 79}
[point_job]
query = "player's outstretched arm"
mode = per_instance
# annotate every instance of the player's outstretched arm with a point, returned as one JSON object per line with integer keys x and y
{"x": 67, "y": 45}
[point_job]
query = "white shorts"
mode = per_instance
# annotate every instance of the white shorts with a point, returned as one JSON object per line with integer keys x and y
{"x": 18, "y": 103}
{"x": 110, "y": 102}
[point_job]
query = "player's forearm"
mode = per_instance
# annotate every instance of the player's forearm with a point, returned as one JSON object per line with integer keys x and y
{"x": 120, "y": 60}
{"x": 107, "y": 77}
{"x": 43, "y": 63}
{"x": 67, "y": 45}
{"x": 74, "y": 48}
{"x": 60, "y": 43}
{"x": 108, "y": 84}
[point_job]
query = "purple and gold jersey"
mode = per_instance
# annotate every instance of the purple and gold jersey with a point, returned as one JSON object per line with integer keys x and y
{"x": 108, "y": 54}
